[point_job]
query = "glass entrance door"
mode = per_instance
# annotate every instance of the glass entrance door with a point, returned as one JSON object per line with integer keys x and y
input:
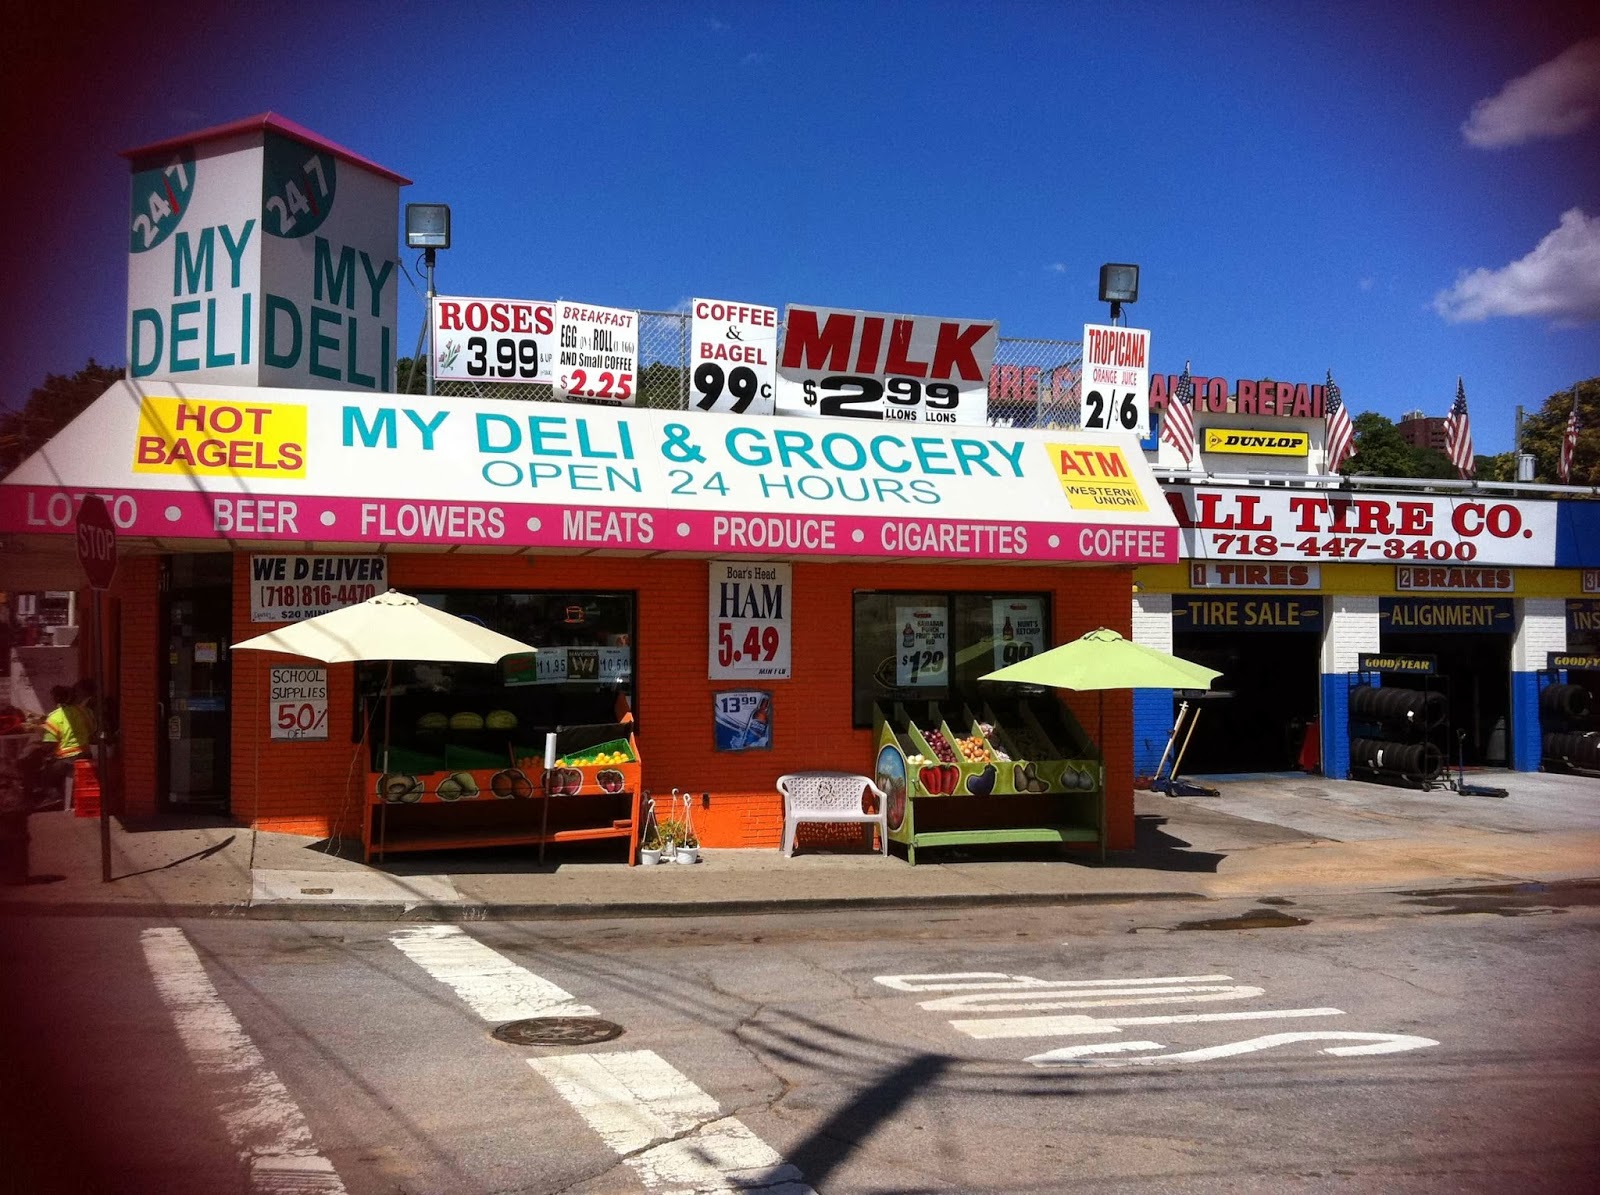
{"x": 197, "y": 613}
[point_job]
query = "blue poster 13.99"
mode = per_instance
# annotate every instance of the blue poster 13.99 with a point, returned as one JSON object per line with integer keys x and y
{"x": 743, "y": 719}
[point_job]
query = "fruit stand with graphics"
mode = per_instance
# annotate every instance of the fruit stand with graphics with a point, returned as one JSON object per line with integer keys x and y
{"x": 1020, "y": 772}
{"x": 591, "y": 793}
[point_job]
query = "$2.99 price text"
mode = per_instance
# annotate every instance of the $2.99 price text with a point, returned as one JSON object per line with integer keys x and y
{"x": 760, "y": 644}
{"x": 860, "y": 397}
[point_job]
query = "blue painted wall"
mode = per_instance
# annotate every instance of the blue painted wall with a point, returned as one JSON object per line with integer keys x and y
{"x": 1152, "y": 726}
{"x": 1527, "y": 747}
{"x": 1336, "y": 725}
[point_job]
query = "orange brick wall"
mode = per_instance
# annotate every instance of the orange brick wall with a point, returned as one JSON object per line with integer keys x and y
{"x": 318, "y": 788}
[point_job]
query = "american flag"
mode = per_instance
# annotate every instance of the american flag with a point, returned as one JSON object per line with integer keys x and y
{"x": 1177, "y": 428}
{"x": 1341, "y": 436}
{"x": 1458, "y": 434}
{"x": 1569, "y": 443}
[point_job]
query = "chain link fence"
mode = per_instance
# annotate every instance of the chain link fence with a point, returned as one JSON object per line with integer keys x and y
{"x": 1034, "y": 383}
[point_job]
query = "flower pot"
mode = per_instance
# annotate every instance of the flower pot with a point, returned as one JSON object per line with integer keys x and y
{"x": 648, "y": 857}
{"x": 687, "y": 854}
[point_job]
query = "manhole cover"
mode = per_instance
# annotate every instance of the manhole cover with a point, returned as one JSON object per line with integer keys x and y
{"x": 558, "y": 1031}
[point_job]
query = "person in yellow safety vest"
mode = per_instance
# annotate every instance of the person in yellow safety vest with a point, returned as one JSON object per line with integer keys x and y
{"x": 69, "y": 727}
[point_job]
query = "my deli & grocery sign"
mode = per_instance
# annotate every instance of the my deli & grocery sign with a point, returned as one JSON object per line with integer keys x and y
{"x": 294, "y": 466}
{"x": 1258, "y": 525}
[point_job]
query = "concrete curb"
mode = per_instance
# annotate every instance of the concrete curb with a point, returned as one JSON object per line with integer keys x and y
{"x": 472, "y": 911}
{"x": 467, "y": 911}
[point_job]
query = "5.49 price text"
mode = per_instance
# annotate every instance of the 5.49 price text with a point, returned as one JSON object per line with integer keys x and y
{"x": 761, "y": 643}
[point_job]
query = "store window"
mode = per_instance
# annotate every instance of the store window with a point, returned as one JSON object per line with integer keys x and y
{"x": 477, "y": 715}
{"x": 933, "y": 646}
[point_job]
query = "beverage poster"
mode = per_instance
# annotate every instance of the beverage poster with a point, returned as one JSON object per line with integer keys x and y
{"x": 743, "y": 720}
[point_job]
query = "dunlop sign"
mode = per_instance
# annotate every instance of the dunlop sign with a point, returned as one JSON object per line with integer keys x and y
{"x": 1228, "y": 439}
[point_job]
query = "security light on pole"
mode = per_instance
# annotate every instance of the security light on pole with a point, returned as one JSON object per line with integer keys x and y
{"x": 1119, "y": 284}
{"x": 428, "y": 229}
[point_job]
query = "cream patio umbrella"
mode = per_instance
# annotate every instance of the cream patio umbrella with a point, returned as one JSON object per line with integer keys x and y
{"x": 391, "y": 626}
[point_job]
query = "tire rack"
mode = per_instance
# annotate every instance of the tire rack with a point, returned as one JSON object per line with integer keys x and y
{"x": 1568, "y": 737}
{"x": 1403, "y": 740}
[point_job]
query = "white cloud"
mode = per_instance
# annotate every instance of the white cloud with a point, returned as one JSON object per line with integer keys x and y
{"x": 1559, "y": 279}
{"x": 1058, "y": 267}
{"x": 1552, "y": 100}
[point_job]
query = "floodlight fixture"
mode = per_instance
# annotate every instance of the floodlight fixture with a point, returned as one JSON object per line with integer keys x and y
{"x": 427, "y": 226}
{"x": 1119, "y": 284}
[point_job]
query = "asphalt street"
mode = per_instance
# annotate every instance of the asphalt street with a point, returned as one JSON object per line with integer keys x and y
{"x": 1362, "y": 1042}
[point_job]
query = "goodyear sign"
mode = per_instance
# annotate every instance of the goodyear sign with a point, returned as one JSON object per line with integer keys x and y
{"x": 1192, "y": 612}
{"x": 1411, "y": 665}
{"x": 1567, "y": 659}
{"x": 1231, "y": 439}
{"x": 1445, "y": 616}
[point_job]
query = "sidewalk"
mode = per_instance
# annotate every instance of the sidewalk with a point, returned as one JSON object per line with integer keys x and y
{"x": 1263, "y": 836}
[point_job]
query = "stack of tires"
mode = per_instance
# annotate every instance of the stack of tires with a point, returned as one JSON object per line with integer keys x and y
{"x": 1404, "y": 727}
{"x": 1564, "y": 718}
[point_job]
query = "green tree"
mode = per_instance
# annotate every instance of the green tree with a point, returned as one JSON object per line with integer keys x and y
{"x": 50, "y": 408}
{"x": 1381, "y": 451}
{"x": 1543, "y": 431}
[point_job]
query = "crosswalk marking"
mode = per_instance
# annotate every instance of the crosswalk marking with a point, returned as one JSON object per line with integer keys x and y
{"x": 490, "y": 984}
{"x": 668, "y": 1131}
{"x": 261, "y": 1118}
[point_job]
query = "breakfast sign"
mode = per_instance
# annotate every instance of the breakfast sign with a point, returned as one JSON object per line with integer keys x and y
{"x": 297, "y": 468}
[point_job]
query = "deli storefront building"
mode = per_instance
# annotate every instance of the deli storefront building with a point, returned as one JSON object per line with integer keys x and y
{"x": 752, "y": 592}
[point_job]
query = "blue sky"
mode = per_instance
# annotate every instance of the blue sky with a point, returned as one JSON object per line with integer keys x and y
{"x": 1399, "y": 192}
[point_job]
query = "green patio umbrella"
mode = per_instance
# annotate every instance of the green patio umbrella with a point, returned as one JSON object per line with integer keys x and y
{"x": 1103, "y": 659}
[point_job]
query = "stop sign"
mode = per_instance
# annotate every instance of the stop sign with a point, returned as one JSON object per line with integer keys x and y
{"x": 97, "y": 542}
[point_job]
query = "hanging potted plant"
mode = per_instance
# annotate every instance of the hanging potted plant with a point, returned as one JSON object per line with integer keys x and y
{"x": 688, "y": 844}
{"x": 672, "y": 835}
{"x": 650, "y": 844}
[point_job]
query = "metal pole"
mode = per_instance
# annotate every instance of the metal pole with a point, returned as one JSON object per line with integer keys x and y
{"x": 428, "y": 257}
{"x": 98, "y": 752}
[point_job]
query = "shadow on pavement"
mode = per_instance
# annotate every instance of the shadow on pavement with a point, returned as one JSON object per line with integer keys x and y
{"x": 1156, "y": 850}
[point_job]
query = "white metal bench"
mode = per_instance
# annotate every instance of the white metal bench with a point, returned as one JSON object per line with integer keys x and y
{"x": 832, "y": 797}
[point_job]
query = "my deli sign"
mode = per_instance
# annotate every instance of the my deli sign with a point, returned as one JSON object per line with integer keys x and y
{"x": 1257, "y": 525}
{"x": 873, "y": 365}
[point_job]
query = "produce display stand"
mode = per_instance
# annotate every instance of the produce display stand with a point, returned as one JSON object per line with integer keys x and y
{"x": 1032, "y": 775}
{"x": 592, "y": 793}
